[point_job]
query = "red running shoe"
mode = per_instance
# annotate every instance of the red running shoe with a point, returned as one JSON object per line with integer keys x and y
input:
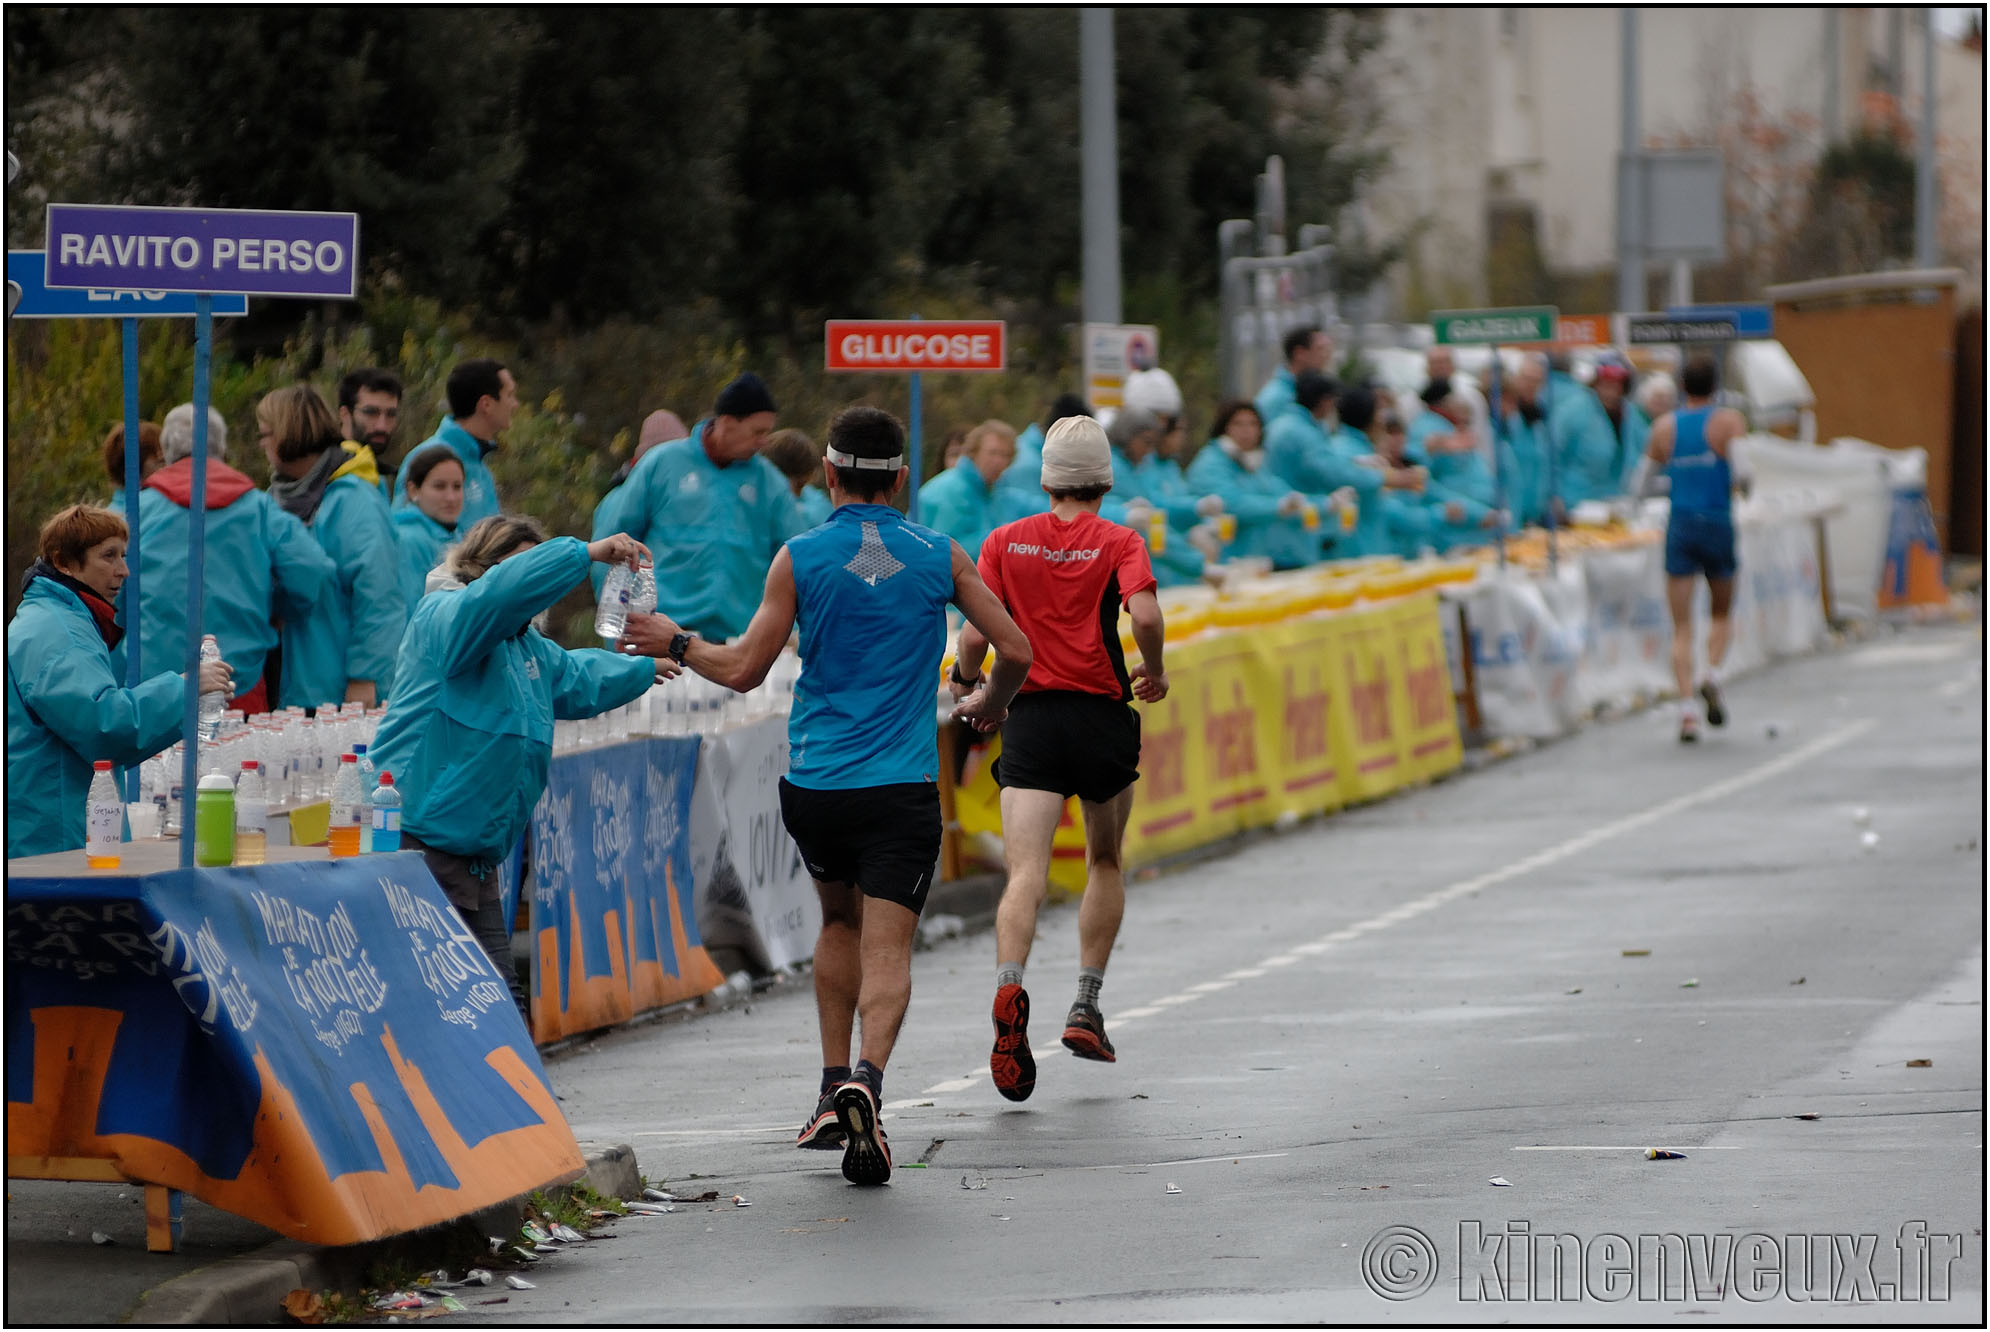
{"x": 1085, "y": 1034}
{"x": 1010, "y": 1061}
{"x": 866, "y": 1155}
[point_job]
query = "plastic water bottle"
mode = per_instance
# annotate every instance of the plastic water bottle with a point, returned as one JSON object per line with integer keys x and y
{"x": 176, "y": 766}
{"x": 106, "y": 818}
{"x": 642, "y": 592}
{"x": 214, "y": 821}
{"x": 366, "y": 784}
{"x": 386, "y": 807}
{"x": 612, "y": 614}
{"x": 251, "y": 816}
{"x": 346, "y": 800}
{"x": 212, "y": 704}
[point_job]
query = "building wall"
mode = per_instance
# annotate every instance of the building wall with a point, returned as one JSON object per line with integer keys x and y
{"x": 1524, "y": 104}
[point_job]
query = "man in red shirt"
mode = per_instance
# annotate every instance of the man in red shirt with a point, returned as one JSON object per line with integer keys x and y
{"x": 1063, "y": 576}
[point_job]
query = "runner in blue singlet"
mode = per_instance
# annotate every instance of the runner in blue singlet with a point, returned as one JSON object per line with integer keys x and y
{"x": 1691, "y": 445}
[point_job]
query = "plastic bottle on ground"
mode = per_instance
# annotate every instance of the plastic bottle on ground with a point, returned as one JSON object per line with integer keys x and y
{"x": 212, "y": 704}
{"x": 106, "y": 818}
{"x": 613, "y": 611}
{"x": 251, "y": 816}
{"x": 346, "y": 800}
{"x": 385, "y": 804}
{"x": 214, "y": 821}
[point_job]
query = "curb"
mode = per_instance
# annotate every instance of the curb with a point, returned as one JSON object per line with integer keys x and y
{"x": 251, "y": 1289}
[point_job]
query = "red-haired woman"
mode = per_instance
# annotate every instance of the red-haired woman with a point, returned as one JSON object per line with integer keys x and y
{"x": 65, "y": 708}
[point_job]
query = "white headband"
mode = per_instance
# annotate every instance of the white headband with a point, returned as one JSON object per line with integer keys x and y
{"x": 891, "y": 464}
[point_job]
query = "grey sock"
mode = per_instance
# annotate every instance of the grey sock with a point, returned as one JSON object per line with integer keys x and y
{"x": 1008, "y": 973}
{"x": 1089, "y": 981}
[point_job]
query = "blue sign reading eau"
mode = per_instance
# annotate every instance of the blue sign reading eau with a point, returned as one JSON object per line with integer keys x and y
{"x": 262, "y": 253}
{"x": 37, "y": 300}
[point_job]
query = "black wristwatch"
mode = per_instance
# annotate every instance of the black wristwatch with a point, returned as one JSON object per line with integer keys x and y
{"x": 953, "y": 673}
{"x": 680, "y": 643}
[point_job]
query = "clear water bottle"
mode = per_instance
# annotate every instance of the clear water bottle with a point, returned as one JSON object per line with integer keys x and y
{"x": 385, "y": 806}
{"x": 346, "y": 800}
{"x": 251, "y": 816}
{"x": 106, "y": 818}
{"x": 642, "y": 592}
{"x": 612, "y": 614}
{"x": 213, "y": 704}
{"x": 176, "y": 767}
{"x": 366, "y": 783}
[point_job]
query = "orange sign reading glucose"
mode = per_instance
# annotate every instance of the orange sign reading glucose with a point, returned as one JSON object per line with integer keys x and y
{"x": 888, "y": 345}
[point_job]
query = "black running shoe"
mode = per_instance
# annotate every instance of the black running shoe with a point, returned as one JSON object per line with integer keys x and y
{"x": 1085, "y": 1034}
{"x": 1010, "y": 1061}
{"x": 866, "y": 1154}
{"x": 823, "y": 1132}
{"x": 1716, "y": 710}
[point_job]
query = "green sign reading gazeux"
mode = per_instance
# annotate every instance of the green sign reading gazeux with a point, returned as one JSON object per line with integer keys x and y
{"x": 1525, "y": 323}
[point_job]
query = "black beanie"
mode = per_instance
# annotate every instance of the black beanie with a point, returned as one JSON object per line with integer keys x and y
{"x": 743, "y": 397}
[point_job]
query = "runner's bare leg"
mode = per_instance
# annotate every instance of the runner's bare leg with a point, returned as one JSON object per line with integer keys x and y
{"x": 1679, "y": 596}
{"x": 1720, "y": 632}
{"x": 1029, "y": 823}
{"x": 887, "y": 975}
{"x": 838, "y": 970}
{"x": 1104, "y": 903}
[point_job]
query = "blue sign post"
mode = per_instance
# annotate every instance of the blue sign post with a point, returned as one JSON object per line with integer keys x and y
{"x": 196, "y": 251}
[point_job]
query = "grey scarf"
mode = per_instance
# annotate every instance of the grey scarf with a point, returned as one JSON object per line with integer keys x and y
{"x": 302, "y": 495}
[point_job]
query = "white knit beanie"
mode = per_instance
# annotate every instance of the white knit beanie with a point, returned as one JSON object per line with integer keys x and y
{"x": 1076, "y": 455}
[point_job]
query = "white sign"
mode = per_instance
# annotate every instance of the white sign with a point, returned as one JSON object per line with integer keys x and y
{"x": 1114, "y": 351}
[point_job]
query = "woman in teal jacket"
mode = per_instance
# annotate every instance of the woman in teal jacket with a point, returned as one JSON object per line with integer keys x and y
{"x": 1270, "y": 514}
{"x": 343, "y": 651}
{"x": 469, "y": 733}
{"x": 427, "y": 527}
{"x": 65, "y": 709}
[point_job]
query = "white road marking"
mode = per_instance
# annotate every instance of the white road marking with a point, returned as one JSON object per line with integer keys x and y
{"x": 1195, "y": 1160}
{"x": 1795, "y": 758}
{"x": 1729, "y": 1147}
{"x": 1957, "y": 687}
{"x": 1210, "y": 987}
{"x": 1906, "y": 654}
{"x": 712, "y": 1132}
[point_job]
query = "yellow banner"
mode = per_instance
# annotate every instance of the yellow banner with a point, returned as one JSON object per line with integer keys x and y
{"x": 1300, "y": 716}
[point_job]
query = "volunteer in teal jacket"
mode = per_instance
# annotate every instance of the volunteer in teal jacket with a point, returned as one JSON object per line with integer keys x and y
{"x": 65, "y": 708}
{"x": 1269, "y": 513}
{"x": 469, "y": 732}
{"x": 273, "y": 569}
{"x": 343, "y": 651}
{"x": 713, "y": 512}
{"x": 1587, "y": 466}
{"x": 432, "y": 521}
{"x": 1135, "y": 437}
{"x": 482, "y": 397}
{"x": 961, "y": 501}
{"x": 1526, "y": 439}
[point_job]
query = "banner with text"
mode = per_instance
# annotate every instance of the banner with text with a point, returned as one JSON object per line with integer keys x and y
{"x": 754, "y": 895}
{"x": 612, "y": 920}
{"x": 321, "y": 1047}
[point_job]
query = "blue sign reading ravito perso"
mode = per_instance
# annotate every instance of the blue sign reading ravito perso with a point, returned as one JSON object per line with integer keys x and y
{"x": 254, "y": 251}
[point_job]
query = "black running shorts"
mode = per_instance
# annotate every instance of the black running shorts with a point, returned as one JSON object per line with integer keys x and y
{"x": 1084, "y": 745}
{"x": 884, "y": 839}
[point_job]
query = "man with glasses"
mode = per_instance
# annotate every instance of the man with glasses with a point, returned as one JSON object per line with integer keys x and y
{"x": 370, "y": 413}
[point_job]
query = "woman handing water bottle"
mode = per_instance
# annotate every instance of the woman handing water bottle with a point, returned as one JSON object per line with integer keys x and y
{"x": 468, "y": 733}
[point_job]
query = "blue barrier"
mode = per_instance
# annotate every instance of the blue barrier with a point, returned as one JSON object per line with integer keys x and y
{"x": 320, "y": 1046}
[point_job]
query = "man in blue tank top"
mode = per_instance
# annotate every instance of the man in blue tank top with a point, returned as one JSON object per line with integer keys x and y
{"x": 1692, "y": 446}
{"x": 869, "y": 591}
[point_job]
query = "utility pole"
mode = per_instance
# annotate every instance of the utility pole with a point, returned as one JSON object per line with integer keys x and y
{"x": 1924, "y": 157}
{"x": 1098, "y": 134}
{"x": 1630, "y": 178}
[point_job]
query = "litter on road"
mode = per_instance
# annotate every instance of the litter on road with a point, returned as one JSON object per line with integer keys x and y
{"x": 1637, "y": 952}
{"x": 1174, "y": 1188}
{"x": 517, "y": 1282}
{"x": 1500, "y": 1182}
{"x": 1660, "y": 1154}
{"x": 1920, "y": 1063}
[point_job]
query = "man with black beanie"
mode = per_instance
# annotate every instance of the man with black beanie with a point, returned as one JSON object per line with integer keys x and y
{"x": 712, "y": 511}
